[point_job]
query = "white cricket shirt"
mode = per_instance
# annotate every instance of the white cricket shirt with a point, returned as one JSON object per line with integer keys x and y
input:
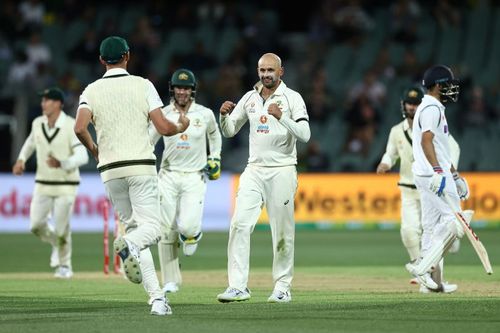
{"x": 187, "y": 151}
{"x": 430, "y": 116}
{"x": 271, "y": 142}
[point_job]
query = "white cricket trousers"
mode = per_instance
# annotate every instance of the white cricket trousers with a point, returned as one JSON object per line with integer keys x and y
{"x": 411, "y": 225}
{"x": 136, "y": 201}
{"x": 275, "y": 188}
{"x": 59, "y": 234}
{"x": 437, "y": 218}
{"x": 182, "y": 200}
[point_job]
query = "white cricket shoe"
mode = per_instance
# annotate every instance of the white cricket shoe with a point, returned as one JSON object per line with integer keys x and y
{"x": 63, "y": 272}
{"x": 279, "y": 296}
{"x": 130, "y": 254}
{"x": 54, "y": 257}
{"x": 424, "y": 279}
{"x": 446, "y": 288}
{"x": 160, "y": 307}
{"x": 170, "y": 287}
{"x": 190, "y": 245}
{"x": 234, "y": 295}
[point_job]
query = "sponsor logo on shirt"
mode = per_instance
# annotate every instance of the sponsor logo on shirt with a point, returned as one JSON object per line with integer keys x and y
{"x": 183, "y": 143}
{"x": 263, "y": 128}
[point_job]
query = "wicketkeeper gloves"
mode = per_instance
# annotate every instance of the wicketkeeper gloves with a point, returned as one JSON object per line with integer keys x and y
{"x": 213, "y": 168}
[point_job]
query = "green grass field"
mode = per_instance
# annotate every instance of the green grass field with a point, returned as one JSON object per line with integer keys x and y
{"x": 345, "y": 281}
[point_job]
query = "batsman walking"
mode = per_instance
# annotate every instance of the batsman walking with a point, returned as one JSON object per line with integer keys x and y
{"x": 435, "y": 177}
{"x": 399, "y": 147}
{"x": 120, "y": 105}
{"x": 278, "y": 118}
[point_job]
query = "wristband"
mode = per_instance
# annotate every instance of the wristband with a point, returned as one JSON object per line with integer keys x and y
{"x": 437, "y": 169}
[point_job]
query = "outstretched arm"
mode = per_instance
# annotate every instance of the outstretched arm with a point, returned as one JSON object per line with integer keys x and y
{"x": 391, "y": 155}
{"x": 26, "y": 151}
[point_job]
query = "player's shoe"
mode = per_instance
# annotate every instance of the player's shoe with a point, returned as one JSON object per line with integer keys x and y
{"x": 63, "y": 272}
{"x": 234, "y": 295}
{"x": 189, "y": 245}
{"x": 170, "y": 287}
{"x": 130, "y": 255}
{"x": 446, "y": 288}
{"x": 424, "y": 279}
{"x": 160, "y": 307}
{"x": 279, "y": 296}
{"x": 54, "y": 257}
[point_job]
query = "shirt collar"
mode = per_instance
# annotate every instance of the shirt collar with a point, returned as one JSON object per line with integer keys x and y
{"x": 434, "y": 100}
{"x": 406, "y": 126}
{"x": 279, "y": 91}
{"x": 191, "y": 107}
{"x": 115, "y": 71}
{"x": 59, "y": 122}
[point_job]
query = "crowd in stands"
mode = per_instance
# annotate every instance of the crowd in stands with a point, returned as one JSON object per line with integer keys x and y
{"x": 350, "y": 59}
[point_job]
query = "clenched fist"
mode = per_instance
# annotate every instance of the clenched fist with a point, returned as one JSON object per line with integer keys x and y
{"x": 183, "y": 122}
{"x": 227, "y": 107}
{"x": 274, "y": 110}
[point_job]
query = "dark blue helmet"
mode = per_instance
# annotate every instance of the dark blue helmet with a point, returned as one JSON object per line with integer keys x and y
{"x": 442, "y": 75}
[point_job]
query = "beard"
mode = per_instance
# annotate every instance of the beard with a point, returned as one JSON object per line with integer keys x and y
{"x": 182, "y": 101}
{"x": 268, "y": 81}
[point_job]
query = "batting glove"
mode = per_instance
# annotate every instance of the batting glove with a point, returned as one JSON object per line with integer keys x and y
{"x": 462, "y": 186}
{"x": 438, "y": 181}
{"x": 213, "y": 168}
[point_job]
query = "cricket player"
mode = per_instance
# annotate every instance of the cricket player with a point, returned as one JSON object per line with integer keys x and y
{"x": 182, "y": 176}
{"x": 399, "y": 147}
{"x": 435, "y": 176}
{"x": 120, "y": 105}
{"x": 59, "y": 154}
{"x": 278, "y": 118}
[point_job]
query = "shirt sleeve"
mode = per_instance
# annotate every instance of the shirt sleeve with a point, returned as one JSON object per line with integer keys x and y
{"x": 153, "y": 98}
{"x": 454, "y": 151}
{"x": 214, "y": 136}
{"x": 84, "y": 102}
{"x": 429, "y": 119}
{"x": 391, "y": 152}
{"x": 298, "y": 109}
{"x": 231, "y": 124}
{"x": 79, "y": 156}
{"x": 299, "y": 129}
{"x": 154, "y": 136}
{"x": 28, "y": 148}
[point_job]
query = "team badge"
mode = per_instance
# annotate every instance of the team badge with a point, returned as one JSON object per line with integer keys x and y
{"x": 263, "y": 119}
{"x": 184, "y": 137}
{"x": 183, "y": 76}
{"x": 197, "y": 122}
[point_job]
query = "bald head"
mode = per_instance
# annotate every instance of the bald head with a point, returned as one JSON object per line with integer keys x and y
{"x": 270, "y": 59}
{"x": 269, "y": 70}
